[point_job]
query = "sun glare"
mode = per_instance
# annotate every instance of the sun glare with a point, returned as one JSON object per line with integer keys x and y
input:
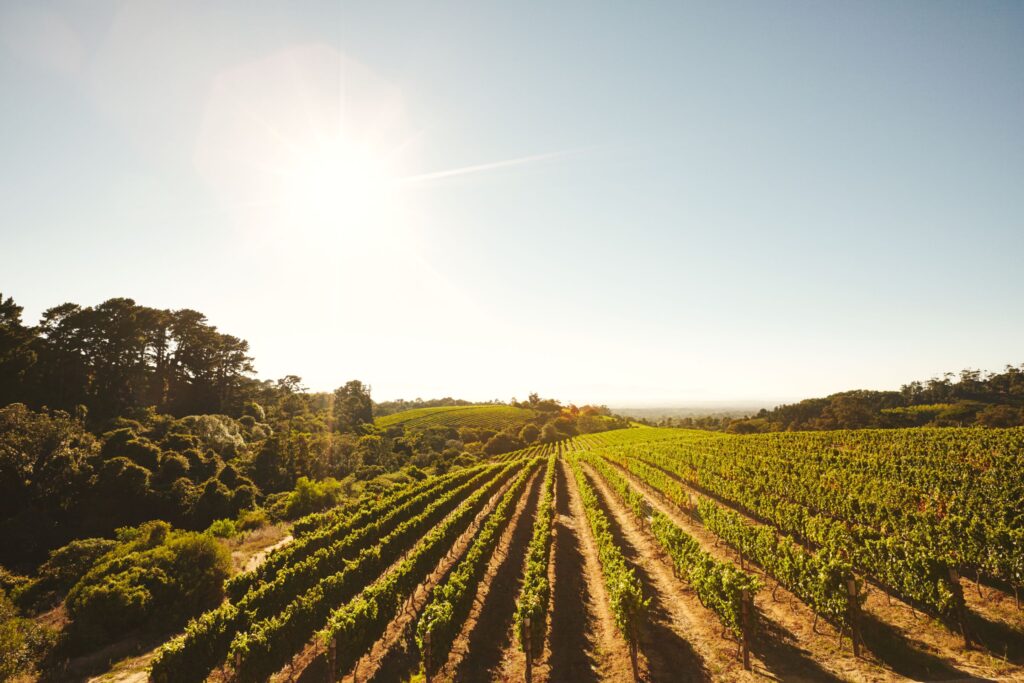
{"x": 340, "y": 185}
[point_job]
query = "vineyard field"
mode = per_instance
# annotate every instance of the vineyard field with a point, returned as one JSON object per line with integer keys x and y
{"x": 493, "y": 417}
{"x": 649, "y": 554}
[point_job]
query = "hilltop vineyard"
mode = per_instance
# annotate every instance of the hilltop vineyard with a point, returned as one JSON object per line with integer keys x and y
{"x": 648, "y": 554}
{"x": 494, "y": 417}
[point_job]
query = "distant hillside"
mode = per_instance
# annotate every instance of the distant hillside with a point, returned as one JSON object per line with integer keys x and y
{"x": 488, "y": 416}
{"x": 717, "y": 410}
{"x": 969, "y": 398}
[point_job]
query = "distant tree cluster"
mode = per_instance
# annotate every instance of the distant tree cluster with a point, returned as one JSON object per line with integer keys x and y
{"x": 969, "y": 398}
{"x": 391, "y": 407}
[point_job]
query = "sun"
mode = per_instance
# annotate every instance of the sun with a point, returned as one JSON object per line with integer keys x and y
{"x": 340, "y": 185}
{"x": 315, "y": 160}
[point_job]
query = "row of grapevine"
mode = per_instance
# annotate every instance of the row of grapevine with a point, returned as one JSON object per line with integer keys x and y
{"x": 721, "y": 587}
{"x": 451, "y": 600}
{"x": 528, "y": 452}
{"x": 293, "y": 580}
{"x": 536, "y": 591}
{"x": 206, "y": 641}
{"x": 365, "y": 507}
{"x": 625, "y": 594}
{"x": 819, "y": 579}
{"x": 268, "y": 644}
{"x": 353, "y": 628}
{"x": 953, "y": 492}
{"x": 347, "y": 537}
{"x": 892, "y": 561}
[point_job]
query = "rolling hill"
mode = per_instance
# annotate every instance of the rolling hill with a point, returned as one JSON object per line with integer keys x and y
{"x": 487, "y": 416}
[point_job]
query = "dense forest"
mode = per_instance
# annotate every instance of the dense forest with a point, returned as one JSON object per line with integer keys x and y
{"x": 994, "y": 399}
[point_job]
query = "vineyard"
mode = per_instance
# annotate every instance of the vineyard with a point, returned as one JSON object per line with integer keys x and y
{"x": 649, "y": 554}
{"x": 494, "y": 417}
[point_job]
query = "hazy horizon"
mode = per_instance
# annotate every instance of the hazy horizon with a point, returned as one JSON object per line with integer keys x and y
{"x": 684, "y": 204}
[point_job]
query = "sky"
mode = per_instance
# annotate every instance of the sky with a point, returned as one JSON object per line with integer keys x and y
{"x": 622, "y": 203}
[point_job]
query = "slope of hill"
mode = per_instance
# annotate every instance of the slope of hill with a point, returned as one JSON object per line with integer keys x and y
{"x": 488, "y": 416}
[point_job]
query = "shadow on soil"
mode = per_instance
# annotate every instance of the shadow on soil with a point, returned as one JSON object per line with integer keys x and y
{"x": 490, "y": 635}
{"x": 669, "y": 657}
{"x": 998, "y": 638}
{"x": 570, "y": 622}
{"x": 889, "y": 645}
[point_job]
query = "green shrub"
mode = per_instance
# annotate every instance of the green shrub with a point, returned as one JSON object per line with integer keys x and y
{"x": 115, "y": 442}
{"x": 10, "y": 581}
{"x": 213, "y": 503}
{"x": 243, "y": 498}
{"x": 173, "y": 466}
{"x": 312, "y": 496}
{"x": 252, "y": 519}
{"x": 155, "y": 580}
{"x": 142, "y": 452}
{"x": 254, "y": 410}
{"x": 529, "y": 433}
{"x": 61, "y": 571}
{"x": 222, "y": 528}
{"x": 23, "y": 644}
{"x": 177, "y": 441}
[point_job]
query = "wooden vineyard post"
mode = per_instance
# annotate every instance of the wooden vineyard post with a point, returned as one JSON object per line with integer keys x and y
{"x": 529, "y": 649}
{"x": 851, "y": 589}
{"x": 332, "y": 658}
{"x": 426, "y": 657}
{"x": 745, "y": 627}
{"x": 961, "y": 610}
{"x": 238, "y": 664}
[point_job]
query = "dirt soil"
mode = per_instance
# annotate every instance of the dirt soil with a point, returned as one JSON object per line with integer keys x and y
{"x": 487, "y": 637}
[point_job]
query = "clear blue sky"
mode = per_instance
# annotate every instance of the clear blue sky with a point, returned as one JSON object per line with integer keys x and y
{"x": 618, "y": 202}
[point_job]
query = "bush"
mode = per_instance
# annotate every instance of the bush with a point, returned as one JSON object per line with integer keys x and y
{"x": 501, "y": 443}
{"x": 529, "y": 433}
{"x": 62, "y": 570}
{"x": 228, "y": 476}
{"x": 177, "y": 441}
{"x": 1000, "y": 416}
{"x": 367, "y": 472}
{"x": 565, "y": 426}
{"x": 116, "y": 441}
{"x": 243, "y": 498}
{"x": 252, "y": 519}
{"x": 10, "y": 581}
{"x": 312, "y": 496}
{"x": 549, "y": 433}
{"x": 155, "y": 580}
{"x": 23, "y": 644}
{"x": 142, "y": 452}
{"x": 172, "y": 467}
{"x": 213, "y": 503}
{"x": 222, "y": 528}
{"x": 254, "y": 410}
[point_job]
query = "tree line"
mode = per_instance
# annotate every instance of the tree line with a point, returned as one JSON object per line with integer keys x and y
{"x": 118, "y": 355}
